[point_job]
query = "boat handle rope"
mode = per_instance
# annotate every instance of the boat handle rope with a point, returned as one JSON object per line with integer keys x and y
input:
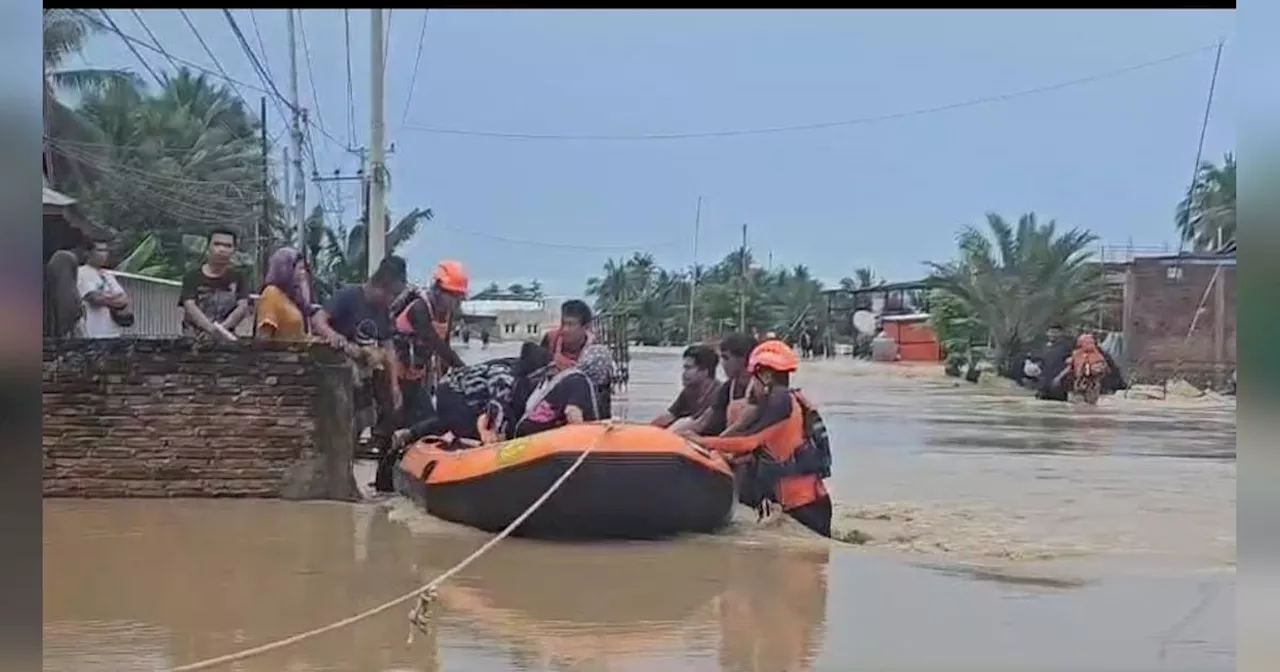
{"x": 425, "y": 594}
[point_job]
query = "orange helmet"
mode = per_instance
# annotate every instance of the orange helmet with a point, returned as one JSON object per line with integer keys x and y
{"x": 451, "y": 276}
{"x": 774, "y": 355}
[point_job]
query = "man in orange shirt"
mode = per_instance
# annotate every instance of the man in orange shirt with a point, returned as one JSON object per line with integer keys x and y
{"x": 787, "y": 440}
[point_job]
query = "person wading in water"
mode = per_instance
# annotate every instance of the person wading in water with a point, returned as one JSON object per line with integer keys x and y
{"x": 1087, "y": 368}
{"x": 698, "y": 389}
{"x": 787, "y": 441}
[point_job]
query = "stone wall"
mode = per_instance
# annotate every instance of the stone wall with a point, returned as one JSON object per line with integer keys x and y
{"x": 1162, "y": 297}
{"x": 167, "y": 418}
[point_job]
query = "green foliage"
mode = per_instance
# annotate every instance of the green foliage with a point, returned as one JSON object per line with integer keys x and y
{"x": 339, "y": 255}
{"x": 1015, "y": 280}
{"x": 1206, "y": 217}
{"x": 656, "y": 300}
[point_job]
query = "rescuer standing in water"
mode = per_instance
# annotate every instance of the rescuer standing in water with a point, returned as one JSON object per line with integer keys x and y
{"x": 787, "y": 440}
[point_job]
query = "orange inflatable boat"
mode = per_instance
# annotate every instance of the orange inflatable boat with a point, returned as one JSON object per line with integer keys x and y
{"x": 638, "y": 482}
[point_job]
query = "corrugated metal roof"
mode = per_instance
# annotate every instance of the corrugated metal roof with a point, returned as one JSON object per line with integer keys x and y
{"x": 57, "y": 198}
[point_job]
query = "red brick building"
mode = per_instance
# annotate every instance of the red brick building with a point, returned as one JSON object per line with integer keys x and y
{"x": 1180, "y": 318}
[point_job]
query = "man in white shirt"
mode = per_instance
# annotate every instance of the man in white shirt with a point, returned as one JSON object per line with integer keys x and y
{"x": 102, "y": 295}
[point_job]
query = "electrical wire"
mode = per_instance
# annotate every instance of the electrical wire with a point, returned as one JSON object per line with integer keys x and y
{"x": 132, "y": 48}
{"x": 257, "y": 33}
{"x": 263, "y": 73}
{"x": 207, "y": 50}
{"x": 818, "y": 125}
{"x": 160, "y": 50}
{"x": 417, "y": 60}
{"x": 311, "y": 77}
{"x": 138, "y": 17}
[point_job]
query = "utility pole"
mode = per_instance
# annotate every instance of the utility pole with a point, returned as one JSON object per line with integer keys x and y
{"x": 264, "y": 223}
{"x": 742, "y": 287}
{"x": 377, "y": 225}
{"x": 300, "y": 180}
{"x": 693, "y": 274}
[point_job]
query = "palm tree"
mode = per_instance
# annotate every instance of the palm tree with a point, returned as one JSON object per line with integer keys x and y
{"x": 1016, "y": 280}
{"x": 339, "y": 255}
{"x": 1206, "y": 217}
{"x": 65, "y": 32}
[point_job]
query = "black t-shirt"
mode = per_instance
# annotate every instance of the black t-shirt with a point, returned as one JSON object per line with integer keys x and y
{"x": 215, "y": 296}
{"x": 572, "y": 390}
{"x": 353, "y": 315}
{"x": 719, "y": 419}
{"x": 692, "y": 401}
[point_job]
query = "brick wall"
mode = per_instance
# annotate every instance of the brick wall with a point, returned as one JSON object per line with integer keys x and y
{"x": 1161, "y": 300}
{"x": 163, "y": 418}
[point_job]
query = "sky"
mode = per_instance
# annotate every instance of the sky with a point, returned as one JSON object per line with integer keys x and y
{"x": 889, "y": 190}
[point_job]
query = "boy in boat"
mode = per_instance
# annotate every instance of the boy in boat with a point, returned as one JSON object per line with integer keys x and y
{"x": 570, "y": 396}
{"x": 479, "y": 401}
{"x": 787, "y": 441}
{"x": 730, "y": 407}
{"x": 698, "y": 389}
{"x": 567, "y": 343}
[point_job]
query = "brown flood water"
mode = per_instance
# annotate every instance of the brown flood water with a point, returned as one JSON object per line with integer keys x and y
{"x": 1006, "y": 534}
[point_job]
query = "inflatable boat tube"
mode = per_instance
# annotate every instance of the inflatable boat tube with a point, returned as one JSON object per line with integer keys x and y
{"x": 638, "y": 482}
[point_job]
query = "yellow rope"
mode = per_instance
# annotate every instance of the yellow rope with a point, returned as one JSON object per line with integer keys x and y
{"x": 416, "y": 592}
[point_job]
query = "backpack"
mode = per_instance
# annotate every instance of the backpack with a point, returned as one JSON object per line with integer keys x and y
{"x": 814, "y": 455}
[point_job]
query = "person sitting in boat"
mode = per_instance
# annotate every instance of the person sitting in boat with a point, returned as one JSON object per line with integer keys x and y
{"x": 570, "y": 396}
{"x": 698, "y": 389}
{"x": 476, "y": 402}
{"x": 788, "y": 442}
{"x": 566, "y": 343}
{"x": 423, "y": 323}
{"x": 730, "y": 407}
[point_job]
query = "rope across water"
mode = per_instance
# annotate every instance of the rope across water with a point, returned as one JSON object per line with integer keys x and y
{"x": 416, "y": 592}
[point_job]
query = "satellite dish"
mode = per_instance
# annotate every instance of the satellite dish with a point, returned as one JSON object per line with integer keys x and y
{"x": 864, "y": 321}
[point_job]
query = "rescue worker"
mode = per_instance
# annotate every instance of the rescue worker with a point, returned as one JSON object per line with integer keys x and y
{"x": 790, "y": 449}
{"x": 423, "y": 324}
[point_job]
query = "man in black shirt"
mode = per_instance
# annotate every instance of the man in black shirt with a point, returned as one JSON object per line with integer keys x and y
{"x": 698, "y": 387}
{"x": 1052, "y": 359}
{"x": 214, "y": 296}
{"x": 730, "y": 406}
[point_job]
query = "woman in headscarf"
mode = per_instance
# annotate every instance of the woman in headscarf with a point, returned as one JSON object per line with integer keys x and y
{"x": 571, "y": 396}
{"x": 62, "y": 306}
{"x": 1087, "y": 366}
{"x": 284, "y": 306}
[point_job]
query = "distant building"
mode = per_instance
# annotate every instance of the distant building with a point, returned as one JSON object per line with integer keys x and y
{"x": 1180, "y": 317}
{"x": 511, "y": 319}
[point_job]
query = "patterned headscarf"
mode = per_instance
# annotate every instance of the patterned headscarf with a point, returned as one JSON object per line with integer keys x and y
{"x": 597, "y": 363}
{"x": 280, "y": 272}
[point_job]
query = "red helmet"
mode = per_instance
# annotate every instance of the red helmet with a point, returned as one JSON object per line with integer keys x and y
{"x": 452, "y": 276}
{"x": 774, "y": 355}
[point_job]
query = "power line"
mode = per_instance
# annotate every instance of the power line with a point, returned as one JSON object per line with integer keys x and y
{"x": 417, "y": 60}
{"x": 311, "y": 78}
{"x": 259, "y": 69}
{"x": 818, "y": 125}
{"x": 138, "y": 17}
{"x": 160, "y": 50}
{"x": 207, "y": 50}
{"x": 257, "y": 33}
{"x": 132, "y": 48}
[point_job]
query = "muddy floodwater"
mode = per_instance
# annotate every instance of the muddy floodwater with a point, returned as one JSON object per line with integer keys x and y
{"x": 997, "y": 533}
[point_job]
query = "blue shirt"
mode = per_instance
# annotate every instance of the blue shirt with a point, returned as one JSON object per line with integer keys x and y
{"x": 356, "y": 318}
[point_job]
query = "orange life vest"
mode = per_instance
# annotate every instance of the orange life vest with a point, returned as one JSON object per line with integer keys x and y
{"x": 562, "y": 359}
{"x": 413, "y": 366}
